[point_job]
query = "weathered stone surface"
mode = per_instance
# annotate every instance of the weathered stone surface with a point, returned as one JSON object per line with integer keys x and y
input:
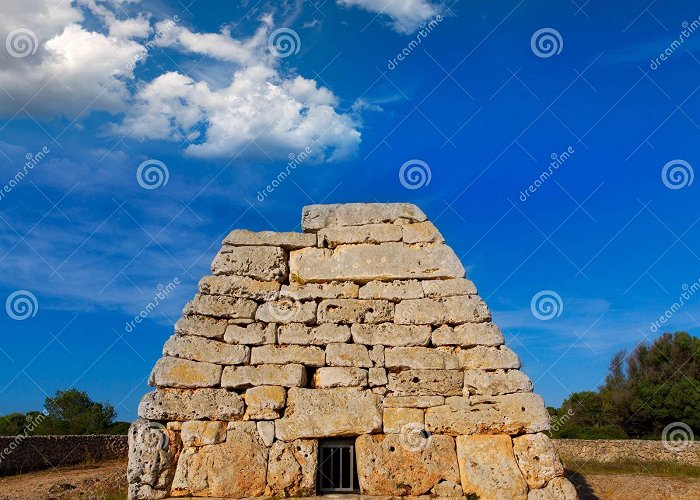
{"x": 389, "y": 465}
{"x": 558, "y": 488}
{"x": 202, "y": 326}
{"x": 426, "y": 383}
{"x": 507, "y": 414}
{"x": 377, "y": 377}
{"x": 183, "y": 373}
{"x": 296, "y": 333}
{"x": 239, "y": 377}
{"x": 266, "y": 429}
{"x": 292, "y": 469}
{"x": 236, "y": 468}
{"x": 239, "y": 286}
{"x": 315, "y": 217}
{"x": 259, "y": 262}
{"x": 421, "y": 232}
{"x": 348, "y": 311}
{"x": 448, "y": 489}
{"x": 311, "y": 291}
{"x": 443, "y": 310}
{"x": 348, "y": 355}
{"x": 488, "y": 469}
{"x": 392, "y": 290}
{"x": 152, "y": 454}
{"x": 421, "y": 358}
{"x": 397, "y": 419}
{"x": 364, "y": 263}
{"x": 221, "y": 306}
{"x": 487, "y": 358}
{"x": 376, "y": 354}
{"x": 390, "y": 334}
{"x": 287, "y": 310}
{"x": 314, "y": 413}
{"x": 494, "y": 383}
{"x": 413, "y": 401}
{"x": 288, "y": 241}
{"x": 264, "y": 402}
{"x": 286, "y": 354}
{"x": 199, "y": 433}
{"x": 253, "y": 334}
{"x": 371, "y": 233}
{"x": 332, "y": 376}
{"x": 201, "y": 349}
{"x": 197, "y": 404}
{"x": 448, "y": 288}
{"x": 468, "y": 335}
{"x": 537, "y": 459}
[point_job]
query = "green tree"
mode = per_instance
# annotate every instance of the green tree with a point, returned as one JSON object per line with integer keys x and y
{"x": 73, "y": 412}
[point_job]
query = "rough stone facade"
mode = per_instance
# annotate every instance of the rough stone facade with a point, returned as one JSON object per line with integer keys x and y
{"x": 361, "y": 327}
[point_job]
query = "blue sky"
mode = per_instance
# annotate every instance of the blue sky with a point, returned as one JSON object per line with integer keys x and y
{"x": 611, "y": 232}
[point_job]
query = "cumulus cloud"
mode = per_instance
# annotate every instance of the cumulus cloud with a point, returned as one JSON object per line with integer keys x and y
{"x": 406, "y": 14}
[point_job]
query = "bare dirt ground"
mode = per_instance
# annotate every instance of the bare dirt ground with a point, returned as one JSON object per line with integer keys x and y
{"x": 107, "y": 481}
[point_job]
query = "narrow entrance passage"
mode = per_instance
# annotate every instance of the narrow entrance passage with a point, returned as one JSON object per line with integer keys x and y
{"x": 337, "y": 471}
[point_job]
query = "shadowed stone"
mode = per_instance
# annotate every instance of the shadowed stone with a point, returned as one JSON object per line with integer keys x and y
{"x": 240, "y": 377}
{"x": 195, "y": 404}
{"x": 259, "y": 262}
{"x": 201, "y": 349}
{"x": 239, "y": 286}
{"x": 371, "y": 233}
{"x": 288, "y": 241}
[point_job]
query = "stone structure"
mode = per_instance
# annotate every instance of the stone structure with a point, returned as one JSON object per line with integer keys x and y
{"x": 362, "y": 327}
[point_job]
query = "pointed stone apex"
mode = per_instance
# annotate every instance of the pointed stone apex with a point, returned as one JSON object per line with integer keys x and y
{"x": 316, "y": 217}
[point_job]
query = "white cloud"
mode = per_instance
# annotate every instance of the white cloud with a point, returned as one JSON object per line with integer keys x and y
{"x": 406, "y": 14}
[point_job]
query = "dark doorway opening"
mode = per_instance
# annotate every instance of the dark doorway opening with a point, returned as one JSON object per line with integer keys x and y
{"x": 337, "y": 472}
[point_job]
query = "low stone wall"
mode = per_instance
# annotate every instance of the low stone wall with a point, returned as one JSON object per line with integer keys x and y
{"x": 616, "y": 450}
{"x": 20, "y": 453}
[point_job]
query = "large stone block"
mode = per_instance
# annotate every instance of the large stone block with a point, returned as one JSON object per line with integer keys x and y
{"x": 398, "y": 420}
{"x": 239, "y": 286}
{"x": 537, "y": 459}
{"x": 390, "y": 465}
{"x": 152, "y": 455}
{"x": 364, "y": 263}
{"x": 240, "y": 377}
{"x": 558, "y": 488}
{"x": 390, "y": 334}
{"x": 348, "y": 311}
{"x": 201, "y": 349}
{"x": 338, "y": 376}
{"x": 316, "y": 413}
{"x": 291, "y": 470}
{"x": 392, "y": 290}
{"x": 259, "y": 262}
{"x": 413, "y": 401}
{"x": 494, "y": 383}
{"x": 371, "y": 233}
{"x": 488, "y": 469}
{"x": 264, "y": 402}
{"x": 311, "y": 291}
{"x": 348, "y": 355}
{"x": 421, "y": 358}
{"x": 468, "y": 335}
{"x": 201, "y": 433}
{"x": 287, "y": 310}
{"x": 315, "y": 217}
{"x": 202, "y": 326}
{"x": 486, "y": 358}
{"x": 183, "y": 373}
{"x": 287, "y": 354}
{"x": 448, "y": 288}
{"x": 442, "y": 310}
{"x": 197, "y": 404}
{"x": 221, "y": 306}
{"x": 421, "y": 232}
{"x": 426, "y": 383}
{"x": 296, "y": 333}
{"x": 288, "y": 241}
{"x": 252, "y": 334}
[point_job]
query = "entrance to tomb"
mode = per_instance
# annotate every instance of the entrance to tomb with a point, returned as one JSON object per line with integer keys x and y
{"x": 337, "y": 471}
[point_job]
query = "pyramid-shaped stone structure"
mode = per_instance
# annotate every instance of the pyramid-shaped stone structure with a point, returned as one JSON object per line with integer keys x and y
{"x": 362, "y": 327}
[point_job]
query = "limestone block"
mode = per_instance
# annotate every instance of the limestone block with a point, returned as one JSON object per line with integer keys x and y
{"x": 507, "y": 414}
{"x": 537, "y": 459}
{"x": 370, "y": 233}
{"x": 558, "y": 488}
{"x": 287, "y": 354}
{"x": 264, "y": 402}
{"x": 266, "y": 429}
{"x": 349, "y": 311}
{"x": 183, "y": 373}
{"x": 202, "y": 326}
{"x": 442, "y": 310}
{"x": 348, "y": 355}
{"x": 221, "y": 306}
{"x": 197, "y": 404}
{"x": 390, "y": 334}
{"x": 413, "y": 401}
{"x": 287, "y": 310}
{"x": 487, "y": 358}
{"x": 388, "y": 465}
{"x": 448, "y": 287}
{"x": 494, "y": 383}
{"x": 377, "y": 377}
{"x": 421, "y": 358}
{"x": 233, "y": 469}
{"x": 259, "y": 262}
{"x": 296, "y": 333}
{"x": 421, "y": 232}
{"x": 332, "y": 376}
{"x": 376, "y": 354}
{"x": 488, "y": 469}
{"x": 239, "y": 286}
{"x": 239, "y": 377}
{"x": 392, "y": 290}
{"x": 252, "y": 334}
{"x": 315, "y": 413}
{"x": 332, "y": 290}
{"x": 199, "y": 433}
{"x": 292, "y": 467}
{"x": 397, "y": 419}
{"x": 152, "y": 455}
{"x": 201, "y": 349}
{"x": 426, "y": 383}
{"x": 468, "y": 335}
{"x": 448, "y": 489}
{"x": 315, "y": 217}
{"x": 288, "y": 241}
{"x": 364, "y": 263}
